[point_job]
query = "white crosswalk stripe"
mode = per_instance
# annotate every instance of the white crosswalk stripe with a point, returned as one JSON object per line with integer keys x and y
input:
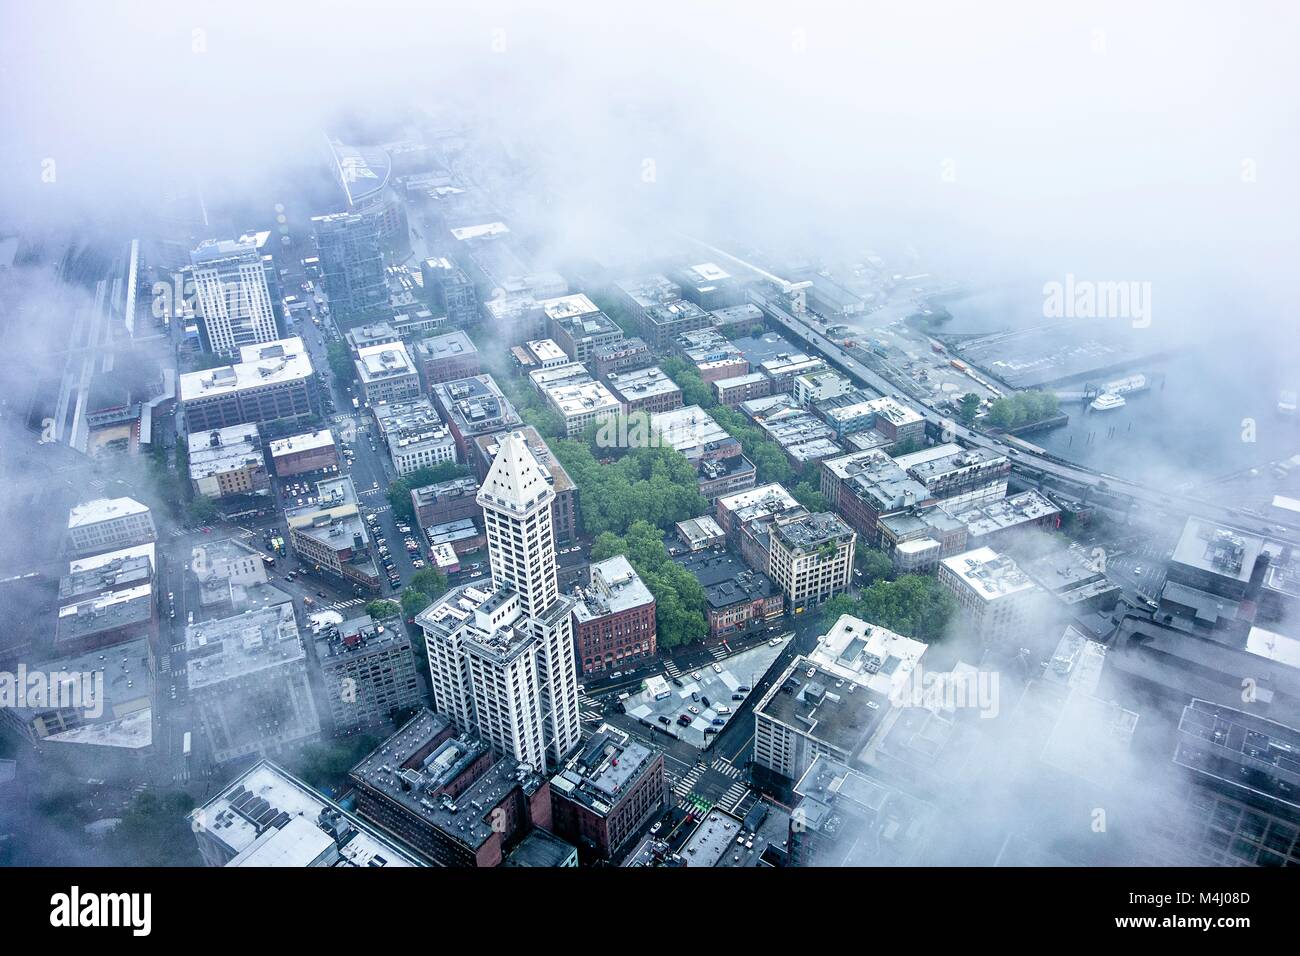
{"x": 719, "y": 652}
{"x": 725, "y": 767}
{"x": 735, "y": 793}
{"x": 671, "y": 670}
{"x": 592, "y": 715}
{"x": 340, "y": 605}
{"x": 687, "y": 783}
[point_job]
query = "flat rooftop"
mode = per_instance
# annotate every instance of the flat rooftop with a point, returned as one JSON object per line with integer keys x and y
{"x": 599, "y": 774}
{"x": 321, "y": 438}
{"x": 415, "y": 775}
{"x": 615, "y": 588}
{"x": 377, "y": 363}
{"x": 103, "y": 509}
{"x": 272, "y": 363}
{"x": 690, "y": 430}
{"x": 989, "y": 574}
{"x": 725, "y": 578}
{"x": 267, "y": 817}
{"x": 823, "y": 704}
{"x": 231, "y": 647}
{"x": 452, "y": 345}
{"x": 1218, "y": 549}
{"x": 568, "y": 306}
{"x": 994, "y": 516}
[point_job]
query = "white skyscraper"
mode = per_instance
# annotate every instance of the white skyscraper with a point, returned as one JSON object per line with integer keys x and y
{"x": 501, "y": 660}
{"x": 233, "y": 296}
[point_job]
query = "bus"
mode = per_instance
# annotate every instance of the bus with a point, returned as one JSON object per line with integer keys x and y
{"x": 186, "y": 743}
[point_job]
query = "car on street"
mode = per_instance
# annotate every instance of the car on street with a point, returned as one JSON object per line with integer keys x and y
{"x": 717, "y": 668}
{"x": 696, "y": 675}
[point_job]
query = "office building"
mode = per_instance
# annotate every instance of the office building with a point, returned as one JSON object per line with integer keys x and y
{"x": 645, "y": 390}
{"x": 445, "y": 796}
{"x": 330, "y": 538}
{"x": 846, "y": 818}
{"x": 620, "y": 356}
{"x": 997, "y": 524}
{"x": 447, "y": 501}
{"x": 572, "y": 393}
{"x": 738, "y": 598}
{"x": 232, "y": 295}
{"x": 501, "y": 660}
{"x": 268, "y": 818}
{"x": 579, "y": 327}
{"x": 415, "y": 434}
{"x": 305, "y": 454}
{"x": 352, "y": 263}
{"x": 472, "y": 407}
{"x": 387, "y": 373}
{"x": 954, "y": 476}
{"x": 1240, "y": 806}
{"x": 107, "y": 523}
{"x": 367, "y": 672}
{"x": 835, "y": 701}
{"x": 248, "y": 683}
{"x": 917, "y": 538}
{"x": 613, "y": 619}
{"x": 564, "y": 509}
{"x": 446, "y": 358}
{"x": 449, "y": 289}
{"x": 709, "y": 286}
{"x": 811, "y": 558}
{"x": 731, "y": 392}
{"x": 999, "y": 598}
{"x": 606, "y": 792}
{"x": 272, "y": 380}
{"x": 228, "y": 461}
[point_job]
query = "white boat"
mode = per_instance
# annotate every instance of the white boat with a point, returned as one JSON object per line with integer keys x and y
{"x": 1107, "y": 401}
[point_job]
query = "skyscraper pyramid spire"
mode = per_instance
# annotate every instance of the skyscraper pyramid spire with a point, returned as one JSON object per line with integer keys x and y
{"x": 516, "y": 481}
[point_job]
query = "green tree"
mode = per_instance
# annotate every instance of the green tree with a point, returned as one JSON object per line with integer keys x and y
{"x": 914, "y": 605}
{"x": 431, "y": 582}
{"x": 970, "y": 406}
{"x": 382, "y": 610}
{"x": 413, "y": 602}
{"x": 874, "y": 565}
{"x": 808, "y": 495}
{"x": 154, "y": 831}
{"x": 340, "y": 363}
{"x": 695, "y": 391}
{"x": 202, "y": 510}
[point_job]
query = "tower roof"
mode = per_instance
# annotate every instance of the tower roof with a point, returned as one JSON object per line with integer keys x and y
{"x": 516, "y": 481}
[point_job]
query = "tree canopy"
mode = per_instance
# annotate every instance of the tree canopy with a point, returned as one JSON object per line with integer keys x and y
{"x": 654, "y": 484}
{"x": 679, "y": 598}
{"x": 915, "y": 606}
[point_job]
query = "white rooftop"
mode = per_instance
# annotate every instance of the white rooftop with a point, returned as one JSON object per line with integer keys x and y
{"x": 103, "y": 509}
{"x": 305, "y": 442}
{"x": 989, "y": 574}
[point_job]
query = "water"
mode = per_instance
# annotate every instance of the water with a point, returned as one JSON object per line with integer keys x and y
{"x": 1211, "y": 409}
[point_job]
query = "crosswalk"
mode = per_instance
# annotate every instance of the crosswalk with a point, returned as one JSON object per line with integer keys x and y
{"x": 734, "y": 795}
{"x": 686, "y": 784}
{"x": 350, "y": 602}
{"x": 178, "y": 532}
{"x": 590, "y": 709}
{"x": 671, "y": 670}
{"x": 719, "y": 652}
{"x": 725, "y": 767}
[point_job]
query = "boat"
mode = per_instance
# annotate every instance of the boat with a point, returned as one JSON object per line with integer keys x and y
{"x": 1107, "y": 401}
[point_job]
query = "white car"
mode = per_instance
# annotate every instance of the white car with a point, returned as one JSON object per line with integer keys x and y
{"x": 717, "y": 668}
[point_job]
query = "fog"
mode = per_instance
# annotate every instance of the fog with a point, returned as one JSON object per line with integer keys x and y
{"x": 1003, "y": 147}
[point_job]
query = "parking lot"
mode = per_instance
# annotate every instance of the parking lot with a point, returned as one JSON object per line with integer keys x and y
{"x": 703, "y": 700}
